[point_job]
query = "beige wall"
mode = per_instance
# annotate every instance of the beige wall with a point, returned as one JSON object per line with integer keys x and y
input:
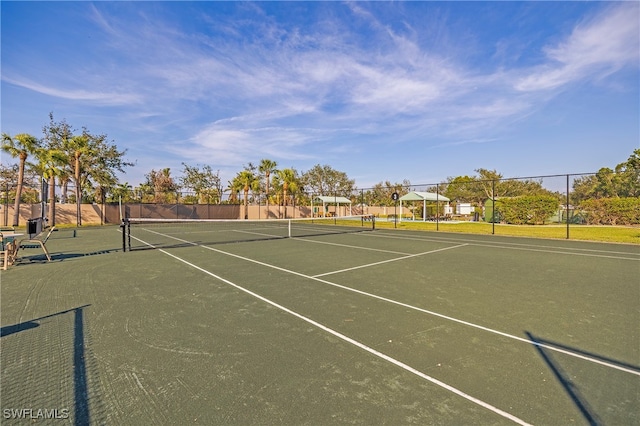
{"x": 65, "y": 214}
{"x": 91, "y": 213}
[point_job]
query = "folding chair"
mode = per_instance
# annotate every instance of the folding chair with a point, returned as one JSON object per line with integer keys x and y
{"x": 8, "y": 250}
{"x": 3, "y": 229}
{"x": 36, "y": 242}
{"x": 4, "y": 254}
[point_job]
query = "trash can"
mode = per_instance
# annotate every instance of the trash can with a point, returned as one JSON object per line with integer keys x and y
{"x": 34, "y": 226}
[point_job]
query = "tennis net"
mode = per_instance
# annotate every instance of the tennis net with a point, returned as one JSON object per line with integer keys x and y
{"x": 141, "y": 233}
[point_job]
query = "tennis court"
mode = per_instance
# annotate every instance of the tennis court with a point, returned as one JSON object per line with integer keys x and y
{"x": 376, "y": 327}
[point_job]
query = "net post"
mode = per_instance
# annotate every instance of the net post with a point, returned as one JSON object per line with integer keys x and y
{"x": 289, "y": 228}
{"x": 123, "y": 229}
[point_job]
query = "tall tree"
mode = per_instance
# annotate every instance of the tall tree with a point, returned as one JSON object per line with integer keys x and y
{"x": 22, "y": 145}
{"x": 380, "y": 194}
{"x": 56, "y": 136}
{"x": 91, "y": 159}
{"x": 101, "y": 168}
{"x": 488, "y": 184}
{"x": 266, "y": 168}
{"x": 76, "y": 147}
{"x": 121, "y": 192}
{"x": 204, "y": 183}
{"x": 94, "y": 162}
{"x": 51, "y": 163}
{"x": 244, "y": 181}
{"x": 465, "y": 189}
{"x": 324, "y": 180}
{"x": 622, "y": 182}
{"x": 162, "y": 183}
{"x": 287, "y": 182}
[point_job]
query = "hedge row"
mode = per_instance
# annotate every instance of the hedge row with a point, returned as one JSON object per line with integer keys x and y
{"x": 612, "y": 211}
{"x": 527, "y": 209}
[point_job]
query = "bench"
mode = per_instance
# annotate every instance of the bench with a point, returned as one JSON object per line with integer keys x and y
{"x": 37, "y": 241}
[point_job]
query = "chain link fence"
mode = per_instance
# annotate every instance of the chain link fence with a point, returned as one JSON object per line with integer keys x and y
{"x": 559, "y": 201}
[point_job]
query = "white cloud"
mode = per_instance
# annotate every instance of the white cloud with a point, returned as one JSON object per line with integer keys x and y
{"x": 233, "y": 141}
{"x": 265, "y": 94}
{"x": 290, "y": 93}
{"x": 95, "y": 97}
{"x": 595, "y": 48}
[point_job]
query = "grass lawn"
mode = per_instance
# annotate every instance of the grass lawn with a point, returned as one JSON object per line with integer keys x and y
{"x": 613, "y": 234}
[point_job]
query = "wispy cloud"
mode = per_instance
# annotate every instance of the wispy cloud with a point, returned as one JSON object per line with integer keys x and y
{"x": 80, "y": 95}
{"x": 251, "y": 84}
{"x": 596, "y": 48}
{"x": 225, "y": 144}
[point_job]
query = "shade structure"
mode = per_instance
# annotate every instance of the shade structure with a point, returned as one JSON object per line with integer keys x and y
{"x": 424, "y": 197}
{"x": 330, "y": 200}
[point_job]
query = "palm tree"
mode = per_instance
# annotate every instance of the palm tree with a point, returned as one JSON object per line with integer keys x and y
{"x": 267, "y": 167}
{"x": 244, "y": 181}
{"x": 288, "y": 180}
{"x": 121, "y": 192}
{"x": 76, "y": 147}
{"x": 51, "y": 164}
{"x": 21, "y": 146}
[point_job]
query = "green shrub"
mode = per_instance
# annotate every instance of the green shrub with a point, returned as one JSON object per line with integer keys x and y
{"x": 612, "y": 211}
{"x": 527, "y": 209}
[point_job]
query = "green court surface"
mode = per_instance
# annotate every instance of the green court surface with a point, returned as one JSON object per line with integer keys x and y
{"x": 382, "y": 327}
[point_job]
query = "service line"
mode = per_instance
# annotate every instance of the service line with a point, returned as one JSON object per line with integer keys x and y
{"x": 387, "y": 261}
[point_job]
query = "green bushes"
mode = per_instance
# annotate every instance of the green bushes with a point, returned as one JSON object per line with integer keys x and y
{"x": 612, "y": 211}
{"x": 527, "y": 209}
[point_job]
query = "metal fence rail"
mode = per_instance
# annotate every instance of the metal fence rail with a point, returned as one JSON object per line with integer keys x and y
{"x": 460, "y": 200}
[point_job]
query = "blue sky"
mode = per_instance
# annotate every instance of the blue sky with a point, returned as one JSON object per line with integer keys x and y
{"x": 381, "y": 90}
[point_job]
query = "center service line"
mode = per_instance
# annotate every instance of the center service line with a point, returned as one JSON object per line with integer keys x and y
{"x": 387, "y": 261}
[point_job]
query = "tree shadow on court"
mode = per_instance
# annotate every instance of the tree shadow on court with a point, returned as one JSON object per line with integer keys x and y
{"x": 82, "y": 413}
{"x": 544, "y": 348}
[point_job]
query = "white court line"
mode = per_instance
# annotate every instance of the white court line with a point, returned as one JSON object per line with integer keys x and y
{"x": 387, "y": 261}
{"x": 415, "y": 308}
{"x": 347, "y": 339}
{"x": 575, "y": 251}
{"x": 307, "y": 240}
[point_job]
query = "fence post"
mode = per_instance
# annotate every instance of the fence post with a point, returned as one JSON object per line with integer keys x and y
{"x": 567, "y": 207}
{"x": 437, "y": 207}
{"x": 493, "y": 207}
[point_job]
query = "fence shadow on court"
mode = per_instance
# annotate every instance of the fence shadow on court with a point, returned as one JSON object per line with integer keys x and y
{"x": 542, "y": 346}
{"x": 40, "y": 258}
{"x": 171, "y": 245}
{"x": 82, "y": 395}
